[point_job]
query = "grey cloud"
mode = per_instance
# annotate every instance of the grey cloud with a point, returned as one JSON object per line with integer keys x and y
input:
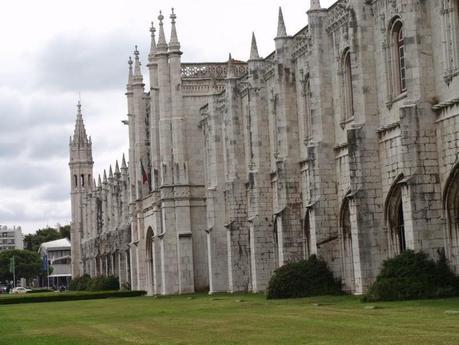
{"x": 24, "y": 175}
{"x": 56, "y": 192}
{"x": 86, "y": 61}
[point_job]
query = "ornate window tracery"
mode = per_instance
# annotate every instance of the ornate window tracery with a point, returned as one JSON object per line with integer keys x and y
{"x": 450, "y": 30}
{"x": 307, "y": 96}
{"x": 398, "y": 57}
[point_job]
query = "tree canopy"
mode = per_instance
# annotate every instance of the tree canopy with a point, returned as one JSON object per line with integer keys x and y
{"x": 27, "y": 264}
{"x": 33, "y": 241}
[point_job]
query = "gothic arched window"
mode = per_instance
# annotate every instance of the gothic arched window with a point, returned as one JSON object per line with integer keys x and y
{"x": 398, "y": 57}
{"x": 348, "y": 94}
{"x": 347, "y": 254}
{"x": 450, "y": 31}
{"x": 395, "y": 218}
{"x": 307, "y": 96}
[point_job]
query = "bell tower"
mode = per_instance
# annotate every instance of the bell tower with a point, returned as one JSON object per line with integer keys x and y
{"x": 81, "y": 179}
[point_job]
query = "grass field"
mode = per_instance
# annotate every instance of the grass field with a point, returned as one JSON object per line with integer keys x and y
{"x": 231, "y": 319}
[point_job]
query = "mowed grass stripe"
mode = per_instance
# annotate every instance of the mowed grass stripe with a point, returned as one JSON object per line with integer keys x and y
{"x": 223, "y": 320}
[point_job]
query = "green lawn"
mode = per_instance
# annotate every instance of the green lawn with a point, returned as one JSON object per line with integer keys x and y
{"x": 230, "y": 319}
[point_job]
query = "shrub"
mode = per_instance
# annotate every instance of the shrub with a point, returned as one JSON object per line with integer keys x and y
{"x": 80, "y": 283}
{"x": 68, "y": 296}
{"x": 104, "y": 284}
{"x": 413, "y": 275}
{"x": 305, "y": 278}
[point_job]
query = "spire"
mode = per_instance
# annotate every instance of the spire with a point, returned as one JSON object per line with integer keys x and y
{"x": 174, "y": 44}
{"x": 79, "y": 135}
{"x": 137, "y": 71}
{"x": 123, "y": 163}
{"x": 110, "y": 172}
{"x": 105, "y": 176}
{"x": 315, "y": 5}
{"x": 162, "y": 45}
{"x": 99, "y": 181}
{"x": 254, "y": 49}
{"x": 153, "y": 40}
{"x": 117, "y": 168}
{"x": 130, "y": 71}
{"x": 94, "y": 185}
{"x": 229, "y": 68}
{"x": 281, "y": 31}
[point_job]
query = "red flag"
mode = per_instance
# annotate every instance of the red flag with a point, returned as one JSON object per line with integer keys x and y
{"x": 144, "y": 173}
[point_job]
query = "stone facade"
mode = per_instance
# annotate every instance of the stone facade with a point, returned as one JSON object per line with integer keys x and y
{"x": 342, "y": 143}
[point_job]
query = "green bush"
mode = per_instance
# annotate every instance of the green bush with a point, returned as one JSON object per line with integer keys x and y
{"x": 413, "y": 276}
{"x": 80, "y": 283}
{"x": 104, "y": 284}
{"x": 305, "y": 278}
{"x": 86, "y": 283}
{"x": 68, "y": 296}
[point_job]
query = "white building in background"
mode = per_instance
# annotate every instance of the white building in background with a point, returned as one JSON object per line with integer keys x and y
{"x": 11, "y": 238}
{"x": 58, "y": 253}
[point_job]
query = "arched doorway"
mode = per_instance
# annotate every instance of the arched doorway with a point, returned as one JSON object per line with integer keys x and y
{"x": 395, "y": 219}
{"x": 347, "y": 253}
{"x": 451, "y": 205}
{"x": 150, "y": 259}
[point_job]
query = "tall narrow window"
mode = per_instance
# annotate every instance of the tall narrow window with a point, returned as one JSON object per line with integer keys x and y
{"x": 306, "y": 93}
{"x": 401, "y": 59}
{"x": 75, "y": 180}
{"x": 450, "y": 34}
{"x": 398, "y": 59}
{"x": 348, "y": 94}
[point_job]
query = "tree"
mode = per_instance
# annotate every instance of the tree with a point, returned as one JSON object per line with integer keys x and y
{"x": 27, "y": 264}
{"x": 33, "y": 241}
{"x": 64, "y": 231}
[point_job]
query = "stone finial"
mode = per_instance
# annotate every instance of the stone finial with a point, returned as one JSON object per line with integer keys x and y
{"x": 162, "y": 45}
{"x": 281, "y": 30}
{"x": 254, "y": 49}
{"x": 229, "y": 68}
{"x": 130, "y": 75}
{"x": 123, "y": 162}
{"x": 174, "y": 44}
{"x": 105, "y": 176}
{"x": 79, "y": 134}
{"x": 153, "y": 39}
{"x": 110, "y": 172}
{"x": 137, "y": 71}
{"x": 117, "y": 168}
{"x": 99, "y": 181}
{"x": 315, "y": 5}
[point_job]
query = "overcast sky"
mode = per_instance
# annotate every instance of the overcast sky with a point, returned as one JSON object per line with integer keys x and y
{"x": 52, "y": 50}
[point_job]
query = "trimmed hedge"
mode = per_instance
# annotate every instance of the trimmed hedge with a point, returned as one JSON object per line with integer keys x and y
{"x": 69, "y": 296}
{"x": 41, "y": 290}
{"x": 86, "y": 283}
{"x": 305, "y": 278}
{"x": 413, "y": 275}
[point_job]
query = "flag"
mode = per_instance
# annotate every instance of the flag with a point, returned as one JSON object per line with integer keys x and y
{"x": 12, "y": 264}
{"x": 44, "y": 263}
{"x": 144, "y": 173}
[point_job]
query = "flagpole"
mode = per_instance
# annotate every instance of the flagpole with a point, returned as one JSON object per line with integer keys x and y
{"x": 14, "y": 272}
{"x": 47, "y": 269}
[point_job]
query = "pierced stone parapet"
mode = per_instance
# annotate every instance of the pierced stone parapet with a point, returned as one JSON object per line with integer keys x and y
{"x": 212, "y": 70}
